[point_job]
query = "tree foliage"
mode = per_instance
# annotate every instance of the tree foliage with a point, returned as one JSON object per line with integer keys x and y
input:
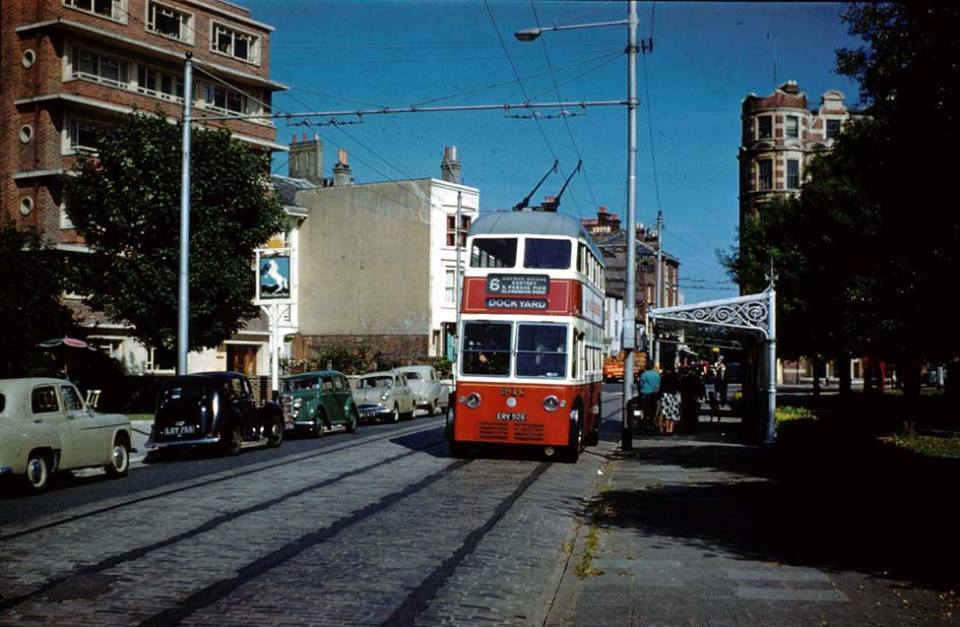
{"x": 866, "y": 254}
{"x": 126, "y": 204}
{"x": 30, "y": 310}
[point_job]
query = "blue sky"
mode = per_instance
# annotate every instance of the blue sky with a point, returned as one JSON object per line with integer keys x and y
{"x": 707, "y": 57}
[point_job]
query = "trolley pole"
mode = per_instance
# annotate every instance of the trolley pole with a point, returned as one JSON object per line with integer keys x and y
{"x": 630, "y": 297}
{"x": 658, "y": 299}
{"x": 183, "y": 318}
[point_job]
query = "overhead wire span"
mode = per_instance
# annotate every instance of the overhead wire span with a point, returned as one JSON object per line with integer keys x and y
{"x": 523, "y": 90}
{"x": 566, "y": 122}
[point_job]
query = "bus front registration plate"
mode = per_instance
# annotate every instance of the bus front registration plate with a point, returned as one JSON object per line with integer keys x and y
{"x": 511, "y": 415}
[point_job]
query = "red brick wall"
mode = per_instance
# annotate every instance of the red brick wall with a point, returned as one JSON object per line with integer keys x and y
{"x": 400, "y": 349}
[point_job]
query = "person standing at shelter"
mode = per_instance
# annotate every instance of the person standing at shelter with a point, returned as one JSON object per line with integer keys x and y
{"x": 691, "y": 393}
{"x": 720, "y": 383}
{"x": 649, "y": 392}
{"x": 669, "y": 411}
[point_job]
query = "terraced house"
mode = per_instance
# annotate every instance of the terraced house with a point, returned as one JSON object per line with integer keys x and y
{"x": 71, "y": 68}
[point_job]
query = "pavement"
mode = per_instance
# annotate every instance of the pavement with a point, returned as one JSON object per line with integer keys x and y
{"x": 703, "y": 530}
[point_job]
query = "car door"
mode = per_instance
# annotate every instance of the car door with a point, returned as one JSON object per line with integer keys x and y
{"x": 243, "y": 407}
{"x": 404, "y": 393}
{"x": 89, "y": 436}
{"x": 341, "y": 393}
{"x": 46, "y": 410}
{"x": 328, "y": 398}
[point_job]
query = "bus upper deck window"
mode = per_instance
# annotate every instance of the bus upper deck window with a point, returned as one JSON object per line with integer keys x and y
{"x": 494, "y": 252}
{"x": 553, "y": 254}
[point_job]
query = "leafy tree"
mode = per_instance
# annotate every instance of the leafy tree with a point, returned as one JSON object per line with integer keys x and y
{"x": 126, "y": 204}
{"x": 865, "y": 254}
{"x": 30, "y": 310}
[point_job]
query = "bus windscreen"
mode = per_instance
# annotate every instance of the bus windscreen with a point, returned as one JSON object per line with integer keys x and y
{"x": 486, "y": 348}
{"x": 541, "y": 350}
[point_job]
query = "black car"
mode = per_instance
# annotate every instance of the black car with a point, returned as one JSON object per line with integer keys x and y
{"x": 213, "y": 409}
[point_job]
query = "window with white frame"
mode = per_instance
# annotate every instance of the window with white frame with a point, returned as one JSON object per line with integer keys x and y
{"x": 765, "y": 127}
{"x": 833, "y": 128}
{"x": 792, "y": 126}
{"x": 793, "y": 174}
{"x": 224, "y": 99}
{"x": 113, "y": 9}
{"x": 99, "y": 68}
{"x": 169, "y": 22}
{"x": 765, "y": 180}
{"x": 450, "y": 287}
{"x": 158, "y": 83}
{"x": 452, "y": 228}
{"x": 84, "y": 135}
{"x": 161, "y": 359}
{"x": 235, "y": 43}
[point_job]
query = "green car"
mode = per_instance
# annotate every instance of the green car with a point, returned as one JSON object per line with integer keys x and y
{"x": 316, "y": 402}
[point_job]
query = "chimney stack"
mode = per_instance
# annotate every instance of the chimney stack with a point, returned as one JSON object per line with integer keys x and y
{"x": 450, "y": 168}
{"x": 306, "y": 159}
{"x": 341, "y": 171}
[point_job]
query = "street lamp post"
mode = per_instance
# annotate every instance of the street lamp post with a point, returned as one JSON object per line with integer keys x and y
{"x": 630, "y": 300}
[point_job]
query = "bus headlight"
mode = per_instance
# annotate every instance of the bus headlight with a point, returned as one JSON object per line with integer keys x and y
{"x": 552, "y": 403}
{"x": 472, "y": 401}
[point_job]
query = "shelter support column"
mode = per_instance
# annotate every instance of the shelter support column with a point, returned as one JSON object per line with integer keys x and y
{"x": 771, "y": 345}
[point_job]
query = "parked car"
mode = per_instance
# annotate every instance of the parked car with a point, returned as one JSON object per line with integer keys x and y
{"x": 314, "y": 401}
{"x": 383, "y": 396}
{"x": 46, "y": 427}
{"x": 213, "y": 409}
{"x": 429, "y": 391}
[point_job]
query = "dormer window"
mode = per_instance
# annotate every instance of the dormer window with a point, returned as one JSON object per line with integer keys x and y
{"x": 833, "y": 128}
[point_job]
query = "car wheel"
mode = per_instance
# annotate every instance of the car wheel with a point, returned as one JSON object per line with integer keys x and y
{"x": 354, "y": 419}
{"x": 275, "y": 438}
{"x": 119, "y": 464}
{"x": 233, "y": 442}
{"x": 317, "y": 429}
{"x": 395, "y": 416}
{"x": 431, "y": 409}
{"x": 38, "y": 472}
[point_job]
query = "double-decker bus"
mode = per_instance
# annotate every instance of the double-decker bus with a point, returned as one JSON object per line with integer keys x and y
{"x": 530, "y": 361}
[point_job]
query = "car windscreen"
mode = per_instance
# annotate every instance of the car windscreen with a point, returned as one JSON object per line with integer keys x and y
{"x": 486, "y": 348}
{"x": 493, "y": 252}
{"x": 541, "y": 350}
{"x": 548, "y": 254}
{"x": 3, "y": 402}
{"x": 411, "y": 376}
{"x": 374, "y": 382}
{"x": 300, "y": 383}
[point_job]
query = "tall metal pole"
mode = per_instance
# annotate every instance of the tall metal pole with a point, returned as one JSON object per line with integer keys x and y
{"x": 183, "y": 324}
{"x": 771, "y": 434}
{"x": 658, "y": 298}
{"x": 456, "y": 281}
{"x": 630, "y": 304}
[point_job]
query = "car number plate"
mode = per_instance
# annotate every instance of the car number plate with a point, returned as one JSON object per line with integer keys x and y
{"x": 511, "y": 415}
{"x": 184, "y": 430}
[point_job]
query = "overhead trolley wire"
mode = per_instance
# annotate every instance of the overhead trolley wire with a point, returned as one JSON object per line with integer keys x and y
{"x": 566, "y": 122}
{"x": 523, "y": 90}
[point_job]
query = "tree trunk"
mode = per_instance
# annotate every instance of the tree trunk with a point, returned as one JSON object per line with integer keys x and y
{"x": 816, "y": 376}
{"x": 843, "y": 373}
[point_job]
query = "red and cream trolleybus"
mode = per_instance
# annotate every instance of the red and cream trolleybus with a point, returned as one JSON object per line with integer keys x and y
{"x": 529, "y": 365}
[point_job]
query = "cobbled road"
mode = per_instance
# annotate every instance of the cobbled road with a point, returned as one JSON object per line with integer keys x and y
{"x": 380, "y": 527}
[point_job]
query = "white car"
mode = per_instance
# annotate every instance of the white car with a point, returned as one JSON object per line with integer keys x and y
{"x": 46, "y": 427}
{"x": 383, "y": 396}
{"x": 429, "y": 391}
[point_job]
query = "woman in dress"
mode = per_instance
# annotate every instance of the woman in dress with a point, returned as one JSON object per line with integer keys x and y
{"x": 669, "y": 402}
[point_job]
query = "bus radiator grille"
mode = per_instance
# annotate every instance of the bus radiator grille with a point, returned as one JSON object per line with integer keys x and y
{"x": 528, "y": 433}
{"x": 493, "y": 431}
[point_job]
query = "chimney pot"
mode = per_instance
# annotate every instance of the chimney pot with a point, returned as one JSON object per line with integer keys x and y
{"x": 450, "y": 168}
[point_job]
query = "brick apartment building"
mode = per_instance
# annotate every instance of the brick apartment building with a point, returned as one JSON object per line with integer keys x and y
{"x": 781, "y": 134}
{"x": 71, "y": 68}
